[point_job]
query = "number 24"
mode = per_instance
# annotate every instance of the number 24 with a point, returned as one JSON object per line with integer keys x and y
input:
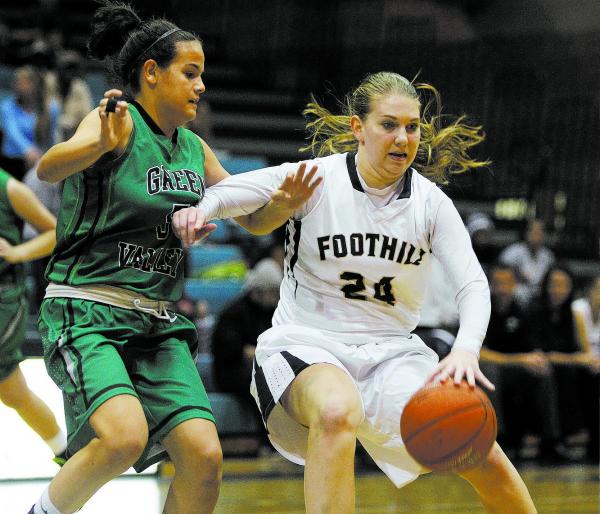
{"x": 383, "y": 288}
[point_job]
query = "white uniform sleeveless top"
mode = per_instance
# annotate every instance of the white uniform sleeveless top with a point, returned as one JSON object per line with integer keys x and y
{"x": 352, "y": 267}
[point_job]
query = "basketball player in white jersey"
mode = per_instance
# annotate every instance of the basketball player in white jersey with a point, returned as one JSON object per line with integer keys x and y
{"x": 340, "y": 361}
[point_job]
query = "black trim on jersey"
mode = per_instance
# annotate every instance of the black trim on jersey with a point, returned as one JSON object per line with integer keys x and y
{"x": 109, "y": 388}
{"x": 165, "y": 420}
{"x": 265, "y": 398}
{"x": 295, "y": 247}
{"x": 86, "y": 241}
{"x": 353, "y": 173}
{"x": 151, "y": 123}
{"x": 71, "y": 314}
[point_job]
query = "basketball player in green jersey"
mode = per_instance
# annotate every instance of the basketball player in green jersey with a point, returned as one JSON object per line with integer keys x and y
{"x": 17, "y": 204}
{"x": 123, "y": 362}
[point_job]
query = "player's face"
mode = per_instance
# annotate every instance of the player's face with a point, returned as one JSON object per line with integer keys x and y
{"x": 180, "y": 84}
{"x": 388, "y": 138}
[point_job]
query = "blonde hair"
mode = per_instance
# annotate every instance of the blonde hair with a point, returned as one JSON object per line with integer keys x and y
{"x": 443, "y": 150}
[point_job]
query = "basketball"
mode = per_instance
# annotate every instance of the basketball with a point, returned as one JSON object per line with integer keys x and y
{"x": 449, "y": 427}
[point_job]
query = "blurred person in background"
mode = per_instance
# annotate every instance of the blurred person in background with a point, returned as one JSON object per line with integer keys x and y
{"x": 238, "y": 326}
{"x": 68, "y": 87}
{"x": 18, "y": 204}
{"x": 576, "y": 368}
{"x": 525, "y": 397}
{"x": 587, "y": 317}
{"x": 481, "y": 227}
{"x": 530, "y": 258}
{"x": 29, "y": 122}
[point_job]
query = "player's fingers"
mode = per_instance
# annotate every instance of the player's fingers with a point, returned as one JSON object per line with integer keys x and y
{"x": 470, "y": 375}
{"x": 313, "y": 186}
{"x": 113, "y": 92}
{"x": 204, "y": 231}
{"x": 191, "y": 224}
{"x": 299, "y": 175}
{"x": 458, "y": 375}
{"x": 309, "y": 176}
{"x": 484, "y": 381}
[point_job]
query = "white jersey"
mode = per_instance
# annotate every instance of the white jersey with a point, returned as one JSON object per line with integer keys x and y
{"x": 355, "y": 268}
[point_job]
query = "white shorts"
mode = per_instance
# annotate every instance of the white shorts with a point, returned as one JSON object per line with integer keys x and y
{"x": 386, "y": 373}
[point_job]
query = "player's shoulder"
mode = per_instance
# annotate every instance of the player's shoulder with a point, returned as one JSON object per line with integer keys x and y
{"x": 426, "y": 188}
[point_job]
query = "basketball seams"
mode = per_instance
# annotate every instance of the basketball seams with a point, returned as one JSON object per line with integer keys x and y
{"x": 461, "y": 448}
{"x": 479, "y": 428}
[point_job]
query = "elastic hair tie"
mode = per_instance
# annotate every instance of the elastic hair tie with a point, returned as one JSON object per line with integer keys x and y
{"x": 165, "y": 35}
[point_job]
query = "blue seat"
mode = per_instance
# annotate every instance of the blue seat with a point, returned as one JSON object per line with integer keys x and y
{"x": 217, "y": 293}
{"x": 241, "y": 164}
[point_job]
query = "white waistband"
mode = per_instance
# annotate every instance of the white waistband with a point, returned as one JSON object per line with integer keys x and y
{"x": 111, "y": 295}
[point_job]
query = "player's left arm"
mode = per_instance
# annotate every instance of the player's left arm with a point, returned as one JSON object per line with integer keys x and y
{"x": 29, "y": 208}
{"x": 280, "y": 204}
{"x": 451, "y": 245}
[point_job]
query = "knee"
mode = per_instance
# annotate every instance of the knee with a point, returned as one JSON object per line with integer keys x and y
{"x": 205, "y": 460}
{"x": 124, "y": 444}
{"x": 339, "y": 416}
{"x": 14, "y": 398}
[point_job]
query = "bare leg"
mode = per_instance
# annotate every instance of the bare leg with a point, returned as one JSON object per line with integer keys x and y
{"x": 15, "y": 393}
{"x": 194, "y": 448}
{"x": 325, "y": 399}
{"x": 499, "y": 485}
{"x": 122, "y": 434}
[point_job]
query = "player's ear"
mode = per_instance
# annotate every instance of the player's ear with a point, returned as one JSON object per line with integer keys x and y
{"x": 356, "y": 125}
{"x": 150, "y": 71}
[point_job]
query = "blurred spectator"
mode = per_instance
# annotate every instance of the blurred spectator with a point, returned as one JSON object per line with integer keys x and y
{"x": 29, "y": 122}
{"x": 49, "y": 194}
{"x": 586, "y": 311}
{"x": 531, "y": 259}
{"x": 237, "y": 329}
{"x": 199, "y": 314}
{"x": 525, "y": 397}
{"x": 439, "y": 315}
{"x": 480, "y": 227}
{"x": 71, "y": 92}
{"x": 239, "y": 325}
{"x": 577, "y": 370}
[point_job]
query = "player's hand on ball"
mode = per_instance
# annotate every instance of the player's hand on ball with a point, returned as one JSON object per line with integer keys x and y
{"x": 459, "y": 364}
{"x": 190, "y": 225}
{"x": 113, "y": 119}
{"x": 296, "y": 188}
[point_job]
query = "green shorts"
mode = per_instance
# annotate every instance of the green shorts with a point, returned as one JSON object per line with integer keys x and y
{"x": 95, "y": 351}
{"x": 13, "y": 323}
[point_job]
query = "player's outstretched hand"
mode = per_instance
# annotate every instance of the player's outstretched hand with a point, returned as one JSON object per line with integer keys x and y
{"x": 113, "y": 121}
{"x": 190, "y": 225}
{"x": 458, "y": 365}
{"x": 296, "y": 188}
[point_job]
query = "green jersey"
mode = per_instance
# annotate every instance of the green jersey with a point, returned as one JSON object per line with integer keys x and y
{"x": 11, "y": 227}
{"x": 114, "y": 223}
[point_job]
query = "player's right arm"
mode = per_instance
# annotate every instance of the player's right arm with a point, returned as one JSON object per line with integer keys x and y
{"x": 98, "y": 133}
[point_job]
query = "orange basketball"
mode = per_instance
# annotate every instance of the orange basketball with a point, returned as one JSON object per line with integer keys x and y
{"x": 446, "y": 427}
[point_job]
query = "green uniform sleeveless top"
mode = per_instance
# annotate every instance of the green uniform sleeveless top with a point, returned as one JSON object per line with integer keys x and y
{"x": 114, "y": 223}
{"x": 11, "y": 227}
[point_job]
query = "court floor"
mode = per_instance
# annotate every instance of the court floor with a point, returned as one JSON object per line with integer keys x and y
{"x": 264, "y": 485}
